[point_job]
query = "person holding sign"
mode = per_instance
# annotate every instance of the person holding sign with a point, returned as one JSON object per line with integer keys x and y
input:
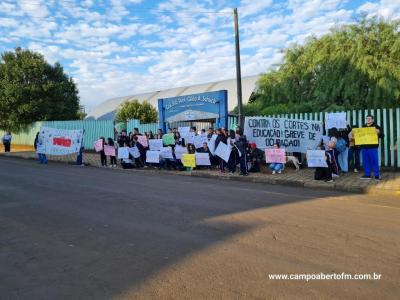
{"x": 169, "y": 138}
{"x": 205, "y": 149}
{"x": 276, "y": 167}
{"x": 113, "y": 159}
{"x": 42, "y": 156}
{"x": 330, "y": 147}
{"x": 324, "y": 173}
{"x": 103, "y": 157}
{"x": 221, "y": 138}
{"x": 354, "y": 151}
{"x": 369, "y": 151}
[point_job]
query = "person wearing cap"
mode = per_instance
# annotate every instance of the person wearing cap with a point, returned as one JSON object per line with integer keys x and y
{"x": 255, "y": 158}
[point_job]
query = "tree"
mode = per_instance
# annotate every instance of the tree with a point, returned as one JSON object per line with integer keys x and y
{"x": 353, "y": 67}
{"x": 33, "y": 90}
{"x": 133, "y": 109}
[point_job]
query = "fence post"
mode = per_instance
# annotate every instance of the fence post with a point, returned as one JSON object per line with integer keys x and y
{"x": 385, "y": 140}
{"x": 398, "y": 135}
{"x": 391, "y": 138}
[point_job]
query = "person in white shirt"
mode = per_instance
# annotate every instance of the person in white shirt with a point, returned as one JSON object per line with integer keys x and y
{"x": 6, "y": 140}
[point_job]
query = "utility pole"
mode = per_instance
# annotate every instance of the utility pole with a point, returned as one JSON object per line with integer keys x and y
{"x": 238, "y": 71}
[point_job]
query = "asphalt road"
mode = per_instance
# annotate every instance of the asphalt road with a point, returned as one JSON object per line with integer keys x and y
{"x": 68, "y": 232}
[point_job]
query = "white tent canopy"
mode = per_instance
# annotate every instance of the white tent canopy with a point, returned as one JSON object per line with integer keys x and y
{"x": 107, "y": 109}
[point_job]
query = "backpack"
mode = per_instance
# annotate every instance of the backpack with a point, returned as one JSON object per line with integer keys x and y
{"x": 340, "y": 145}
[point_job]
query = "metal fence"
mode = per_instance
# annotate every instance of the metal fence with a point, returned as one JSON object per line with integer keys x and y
{"x": 93, "y": 130}
{"x": 388, "y": 119}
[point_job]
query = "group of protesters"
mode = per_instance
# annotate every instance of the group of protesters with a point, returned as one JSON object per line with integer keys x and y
{"x": 235, "y": 140}
{"x": 341, "y": 152}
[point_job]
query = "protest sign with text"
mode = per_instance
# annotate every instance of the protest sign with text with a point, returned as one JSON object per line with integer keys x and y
{"x": 179, "y": 151}
{"x": 223, "y": 151}
{"x": 316, "y": 158}
{"x": 142, "y": 139}
{"x": 156, "y": 145}
{"x": 199, "y": 140}
{"x": 134, "y": 151}
{"x": 53, "y": 141}
{"x": 275, "y": 156}
{"x": 211, "y": 146}
{"x": 203, "y": 159}
{"x": 189, "y": 138}
{"x": 183, "y": 131}
{"x": 365, "y": 136}
{"x": 123, "y": 152}
{"x": 335, "y": 120}
{"x": 98, "y": 145}
{"x": 293, "y": 135}
{"x": 152, "y": 156}
{"x": 169, "y": 139}
{"x": 166, "y": 153}
{"x": 189, "y": 160}
{"x": 109, "y": 150}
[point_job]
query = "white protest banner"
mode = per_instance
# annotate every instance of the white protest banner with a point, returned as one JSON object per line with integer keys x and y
{"x": 156, "y": 145}
{"x": 189, "y": 139}
{"x": 109, "y": 150}
{"x": 166, "y": 153}
{"x": 275, "y": 156}
{"x": 142, "y": 139}
{"x": 183, "y": 131}
{"x": 98, "y": 145}
{"x": 152, "y": 156}
{"x": 134, "y": 151}
{"x": 223, "y": 151}
{"x": 335, "y": 120}
{"x": 123, "y": 152}
{"x": 198, "y": 141}
{"x": 179, "y": 151}
{"x": 316, "y": 158}
{"x": 203, "y": 159}
{"x": 293, "y": 135}
{"x": 54, "y": 141}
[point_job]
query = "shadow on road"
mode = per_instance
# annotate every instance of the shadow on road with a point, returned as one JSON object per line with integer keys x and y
{"x": 86, "y": 233}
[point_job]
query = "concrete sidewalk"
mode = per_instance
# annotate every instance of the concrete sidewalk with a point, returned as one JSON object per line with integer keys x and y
{"x": 390, "y": 184}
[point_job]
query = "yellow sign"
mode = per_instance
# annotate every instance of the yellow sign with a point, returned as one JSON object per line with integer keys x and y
{"x": 189, "y": 160}
{"x": 365, "y": 136}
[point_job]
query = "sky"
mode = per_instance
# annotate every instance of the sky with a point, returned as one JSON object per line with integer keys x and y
{"x": 115, "y": 48}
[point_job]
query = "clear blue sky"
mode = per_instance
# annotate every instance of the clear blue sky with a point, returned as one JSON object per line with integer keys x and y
{"x": 122, "y": 47}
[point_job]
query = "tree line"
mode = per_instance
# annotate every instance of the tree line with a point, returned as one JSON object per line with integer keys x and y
{"x": 355, "y": 66}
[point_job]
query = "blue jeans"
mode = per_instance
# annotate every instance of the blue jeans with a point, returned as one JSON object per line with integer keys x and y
{"x": 354, "y": 157}
{"x": 42, "y": 158}
{"x": 343, "y": 160}
{"x": 370, "y": 161}
{"x": 276, "y": 167}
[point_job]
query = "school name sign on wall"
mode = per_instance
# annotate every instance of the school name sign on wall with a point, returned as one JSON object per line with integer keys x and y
{"x": 209, "y": 105}
{"x": 293, "y": 135}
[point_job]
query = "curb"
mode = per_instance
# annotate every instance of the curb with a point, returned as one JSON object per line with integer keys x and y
{"x": 339, "y": 187}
